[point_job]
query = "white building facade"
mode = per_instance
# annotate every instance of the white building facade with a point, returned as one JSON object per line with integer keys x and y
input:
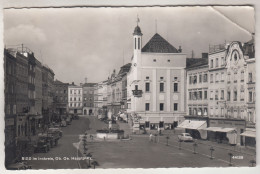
{"x": 75, "y": 99}
{"x": 156, "y": 84}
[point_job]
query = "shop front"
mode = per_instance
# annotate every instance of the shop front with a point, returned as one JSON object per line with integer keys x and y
{"x": 226, "y": 130}
{"x": 249, "y": 137}
{"x": 195, "y": 128}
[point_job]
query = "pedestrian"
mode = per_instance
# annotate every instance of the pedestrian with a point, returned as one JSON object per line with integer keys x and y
{"x": 151, "y": 137}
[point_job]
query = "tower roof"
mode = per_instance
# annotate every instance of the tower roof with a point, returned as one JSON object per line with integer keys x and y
{"x": 158, "y": 44}
{"x": 137, "y": 31}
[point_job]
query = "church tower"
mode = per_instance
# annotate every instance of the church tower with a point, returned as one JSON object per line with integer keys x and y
{"x": 137, "y": 44}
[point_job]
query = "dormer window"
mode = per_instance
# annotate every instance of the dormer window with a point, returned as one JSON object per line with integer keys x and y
{"x": 169, "y": 60}
{"x": 161, "y": 78}
{"x": 147, "y": 77}
{"x": 154, "y": 60}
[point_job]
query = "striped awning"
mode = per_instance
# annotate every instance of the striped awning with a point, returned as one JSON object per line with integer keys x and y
{"x": 219, "y": 129}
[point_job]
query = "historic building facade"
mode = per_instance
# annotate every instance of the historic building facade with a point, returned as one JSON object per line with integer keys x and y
{"x": 100, "y": 99}
{"x": 88, "y": 98}
{"x": 156, "y": 84}
{"x": 47, "y": 93}
{"x": 75, "y": 99}
{"x": 60, "y": 99}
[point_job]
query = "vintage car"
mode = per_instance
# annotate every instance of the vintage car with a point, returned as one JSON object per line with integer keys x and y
{"x": 63, "y": 123}
{"x": 55, "y": 130}
{"x": 43, "y": 144}
{"x": 185, "y": 137}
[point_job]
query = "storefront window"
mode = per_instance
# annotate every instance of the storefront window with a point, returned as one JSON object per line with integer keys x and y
{"x": 199, "y": 111}
{"x": 205, "y": 111}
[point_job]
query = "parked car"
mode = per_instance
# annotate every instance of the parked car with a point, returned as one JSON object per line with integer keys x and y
{"x": 68, "y": 121}
{"x": 185, "y": 137}
{"x": 63, "y": 123}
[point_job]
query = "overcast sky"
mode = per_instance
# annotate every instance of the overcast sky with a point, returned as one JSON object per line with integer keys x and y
{"x": 91, "y": 42}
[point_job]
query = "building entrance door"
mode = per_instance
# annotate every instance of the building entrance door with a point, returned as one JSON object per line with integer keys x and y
{"x": 90, "y": 112}
{"x": 85, "y": 112}
{"x": 75, "y": 111}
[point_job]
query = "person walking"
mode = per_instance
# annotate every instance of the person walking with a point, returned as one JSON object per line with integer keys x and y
{"x": 151, "y": 137}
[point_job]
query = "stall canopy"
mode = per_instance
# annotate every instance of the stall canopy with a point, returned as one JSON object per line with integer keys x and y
{"x": 248, "y": 133}
{"x": 193, "y": 124}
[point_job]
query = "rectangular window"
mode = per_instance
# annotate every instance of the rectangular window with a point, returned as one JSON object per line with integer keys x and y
{"x": 136, "y": 87}
{"x": 216, "y": 95}
{"x": 190, "y": 81}
{"x": 205, "y": 112}
{"x": 235, "y": 95}
{"x": 161, "y": 87}
{"x": 242, "y": 95}
{"x": 217, "y": 77}
{"x": 195, "y": 79}
{"x": 195, "y": 111}
{"x": 139, "y": 43}
{"x": 229, "y": 77}
{"x": 147, "y": 87}
{"x": 195, "y": 95}
{"x": 222, "y": 77}
{"x": 135, "y": 43}
{"x": 211, "y": 78}
{"x": 200, "y": 111}
{"x": 242, "y": 75}
{"x": 211, "y": 95}
{"x": 74, "y": 98}
{"x": 211, "y": 63}
{"x": 175, "y": 88}
{"x": 222, "y": 112}
{"x": 205, "y": 78}
{"x": 190, "y": 95}
{"x": 147, "y": 106}
{"x": 222, "y": 61}
{"x": 205, "y": 95}
{"x": 70, "y": 98}
{"x": 250, "y": 77}
{"x": 190, "y": 111}
{"x": 161, "y": 123}
{"x": 147, "y": 124}
{"x": 222, "y": 94}
{"x": 250, "y": 97}
{"x": 216, "y": 62}
{"x": 228, "y": 96}
{"x": 200, "y": 78}
{"x": 200, "y": 95}
{"x": 175, "y": 107}
{"x": 161, "y": 106}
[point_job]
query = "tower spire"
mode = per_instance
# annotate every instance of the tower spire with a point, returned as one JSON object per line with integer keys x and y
{"x": 155, "y": 25}
{"x": 137, "y": 20}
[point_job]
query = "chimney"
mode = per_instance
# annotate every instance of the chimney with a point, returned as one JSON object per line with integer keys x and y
{"x": 179, "y": 50}
{"x": 86, "y": 80}
{"x": 205, "y": 55}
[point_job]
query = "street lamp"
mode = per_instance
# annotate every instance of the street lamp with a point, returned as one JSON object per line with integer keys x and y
{"x": 194, "y": 147}
{"x": 167, "y": 138}
{"x": 230, "y": 157}
{"x": 253, "y": 162}
{"x": 211, "y": 151}
{"x": 95, "y": 163}
{"x": 89, "y": 156}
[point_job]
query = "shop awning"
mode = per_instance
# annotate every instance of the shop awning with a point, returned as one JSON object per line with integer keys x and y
{"x": 249, "y": 134}
{"x": 193, "y": 124}
{"x": 219, "y": 129}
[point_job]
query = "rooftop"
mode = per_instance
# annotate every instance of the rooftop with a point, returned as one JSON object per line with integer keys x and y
{"x": 157, "y": 44}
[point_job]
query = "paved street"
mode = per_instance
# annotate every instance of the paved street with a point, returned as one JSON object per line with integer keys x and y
{"x": 136, "y": 153}
{"x": 65, "y": 148}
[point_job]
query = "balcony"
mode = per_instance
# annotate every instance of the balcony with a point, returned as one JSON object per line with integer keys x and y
{"x": 137, "y": 93}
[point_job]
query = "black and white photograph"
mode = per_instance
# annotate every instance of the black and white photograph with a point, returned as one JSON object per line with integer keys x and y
{"x": 129, "y": 87}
